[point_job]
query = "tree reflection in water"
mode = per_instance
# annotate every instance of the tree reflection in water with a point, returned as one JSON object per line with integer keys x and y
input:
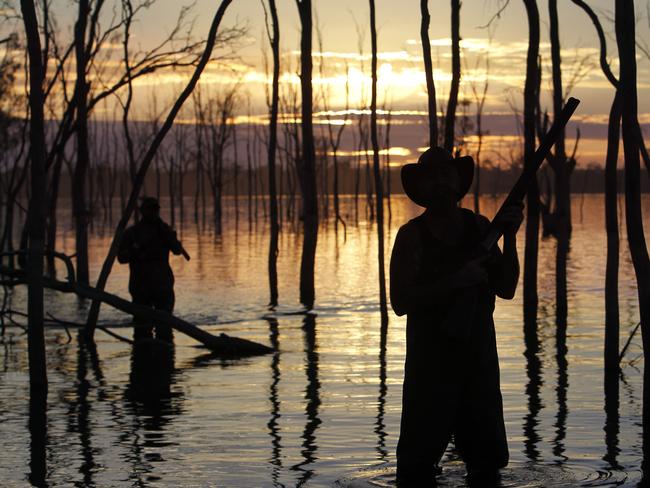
{"x": 312, "y": 395}
{"x": 561, "y": 390}
{"x": 274, "y": 429}
{"x": 380, "y": 426}
{"x": 534, "y": 373}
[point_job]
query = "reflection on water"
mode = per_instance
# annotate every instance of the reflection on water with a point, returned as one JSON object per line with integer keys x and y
{"x": 274, "y": 430}
{"x": 327, "y": 402}
{"x": 533, "y": 387}
{"x": 37, "y": 427}
{"x": 561, "y": 389}
{"x": 312, "y": 397}
{"x": 380, "y": 426}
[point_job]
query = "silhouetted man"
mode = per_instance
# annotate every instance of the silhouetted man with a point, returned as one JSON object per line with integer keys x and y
{"x": 146, "y": 246}
{"x": 451, "y": 378}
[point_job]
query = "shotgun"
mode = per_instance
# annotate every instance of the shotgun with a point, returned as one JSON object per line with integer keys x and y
{"x": 457, "y": 323}
{"x": 520, "y": 188}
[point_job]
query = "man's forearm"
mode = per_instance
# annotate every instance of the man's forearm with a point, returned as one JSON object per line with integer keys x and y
{"x": 509, "y": 275}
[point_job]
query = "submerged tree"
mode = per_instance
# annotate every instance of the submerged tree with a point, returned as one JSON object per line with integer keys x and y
{"x": 80, "y": 100}
{"x": 307, "y": 163}
{"x": 625, "y": 37}
{"x": 36, "y": 213}
{"x": 531, "y": 96}
{"x": 612, "y": 324}
{"x": 562, "y": 167}
{"x": 379, "y": 192}
{"x": 274, "y": 40}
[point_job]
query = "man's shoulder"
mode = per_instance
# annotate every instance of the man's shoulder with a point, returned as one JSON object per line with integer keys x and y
{"x": 481, "y": 220}
{"x": 410, "y": 231}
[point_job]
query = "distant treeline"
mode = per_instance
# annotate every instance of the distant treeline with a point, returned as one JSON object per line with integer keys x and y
{"x": 105, "y": 184}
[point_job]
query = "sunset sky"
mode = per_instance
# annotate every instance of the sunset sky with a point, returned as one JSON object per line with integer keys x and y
{"x": 401, "y": 78}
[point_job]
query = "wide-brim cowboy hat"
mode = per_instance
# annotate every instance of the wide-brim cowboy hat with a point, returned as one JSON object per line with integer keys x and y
{"x": 149, "y": 202}
{"x": 433, "y": 156}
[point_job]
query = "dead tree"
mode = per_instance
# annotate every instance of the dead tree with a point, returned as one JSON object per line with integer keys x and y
{"x": 307, "y": 163}
{"x": 335, "y": 144}
{"x": 379, "y": 191}
{"x": 80, "y": 99}
{"x": 387, "y": 170}
{"x": 36, "y": 214}
{"x": 480, "y": 96}
{"x": 562, "y": 167}
{"x": 450, "y": 115}
{"x": 532, "y": 207}
{"x": 625, "y": 38}
{"x": 428, "y": 72}
{"x": 220, "y": 125}
{"x": 612, "y": 319}
{"x": 146, "y": 162}
{"x": 274, "y": 40}
{"x": 235, "y": 176}
{"x": 199, "y": 127}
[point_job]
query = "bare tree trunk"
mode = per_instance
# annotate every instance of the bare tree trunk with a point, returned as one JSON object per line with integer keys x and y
{"x": 198, "y": 140}
{"x": 450, "y": 116}
{"x": 235, "y": 177}
{"x": 357, "y": 172}
{"x": 182, "y": 169}
{"x": 428, "y": 72}
{"x": 562, "y": 168}
{"x": 625, "y": 37}
{"x": 479, "y": 97}
{"x": 51, "y": 210}
{"x": 83, "y": 157}
{"x": 36, "y": 222}
{"x": 36, "y": 214}
{"x": 249, "y": 176}
{"x": 611, "y": 271}
{"x": 379, "y": 192}
{"x": 274, "y": 40}
{"x": 171, "y": 179}
{"x": 612, "y": 319}
{"x": 146, "y": 162}
{"x": 387, "y": 176}
{"x": 306, "y": 166}
{"x": 532, "y": 207}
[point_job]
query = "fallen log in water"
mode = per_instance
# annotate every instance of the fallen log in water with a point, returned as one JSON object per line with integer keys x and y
{"x": 222, "y": 344}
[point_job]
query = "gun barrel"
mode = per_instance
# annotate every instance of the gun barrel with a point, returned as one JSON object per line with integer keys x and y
{"x": 184, "y": 253}
{"x": 518, "y": 191}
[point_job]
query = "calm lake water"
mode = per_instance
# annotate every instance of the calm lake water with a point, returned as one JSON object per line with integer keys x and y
{"x": 324, "y": 406}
